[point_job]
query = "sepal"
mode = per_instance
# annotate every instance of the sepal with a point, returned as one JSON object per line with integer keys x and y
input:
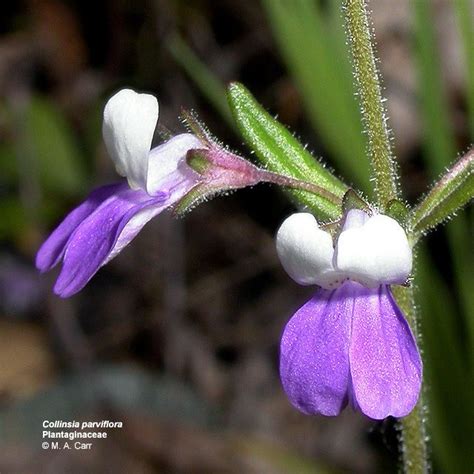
{"x": 399, "y": 211}
{"x": 453, "y": 191}
{"x": 197, "y": 160}
{"x": 280, "y": 152}
{"x": 220, "y": 171}
{"x": 352, "y": 200}
{"x": 197, "y": 195}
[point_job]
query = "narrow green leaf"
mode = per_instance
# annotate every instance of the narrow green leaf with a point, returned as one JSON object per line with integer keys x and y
{"x": 14, "y": 219}
{"x": 58, "y": 159}
{"x": 465, "y": 13}
{"x": 440, "y": 146}
{"x": 8, "y": 164}
{"x": 447, "y": 373}
{"x": 280, "y": 152}
{"x": 210, "y": 86}
{"x": 438, "y": 133}
{"x": 447, "y": 196}
{"x": 17, "y": 222}
{"x": 448, "y": 429}
{"x": 316, "y": 55}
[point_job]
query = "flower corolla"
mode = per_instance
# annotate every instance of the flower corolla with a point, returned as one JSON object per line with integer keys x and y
{"x": 350, "y": 343}
{"x": 99, "y": 228}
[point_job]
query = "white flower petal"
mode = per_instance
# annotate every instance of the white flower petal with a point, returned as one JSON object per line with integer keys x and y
{"x": 129, "y": 123}
{"x": 166, "y": 159}
{"x": 355, "y": 218}
{"x": 374, "y": 253}
{"x": 306, "y": 251}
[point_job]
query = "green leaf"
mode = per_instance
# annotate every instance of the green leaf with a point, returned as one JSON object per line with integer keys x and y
{"x": 18, "y": 221}
{"x": 437, "y": 129}
{"x": 311, "y": 40}
{"x": 464, "y": 13}
{"x": 447, "y": 196}
{"x": 447, "y": 373}
{"x": 14, "y": 219}
{"x": 57, "y": 157}
{"x": 280, "y": 152}
{"x": 210, "y": 86}
{"x": 8, "y": 164}
{"x": 439, "y": 150}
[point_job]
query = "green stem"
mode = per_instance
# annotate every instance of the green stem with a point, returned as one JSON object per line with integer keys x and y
{"x": 413, "y": 426}
{"x": 288, "y": 181}
{"x": 371, "y": 101}
{"x": 358, "y": 27}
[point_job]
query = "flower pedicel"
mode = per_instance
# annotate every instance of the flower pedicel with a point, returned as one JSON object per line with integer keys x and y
{"x": 157, "y": 179}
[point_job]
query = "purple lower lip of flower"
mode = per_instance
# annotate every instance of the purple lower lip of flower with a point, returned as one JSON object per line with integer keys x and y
{"x": 351, "y": 344}
{"x": 98, "y": 229}
{"x": 52, "y": 250}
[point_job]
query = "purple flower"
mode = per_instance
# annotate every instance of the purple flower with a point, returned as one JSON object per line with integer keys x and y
{"x": 350, "y": 343}
{"x": 97, "y": 230}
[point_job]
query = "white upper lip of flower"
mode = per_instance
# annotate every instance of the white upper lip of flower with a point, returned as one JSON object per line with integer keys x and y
{"x": 370, "y": 250}
{"x": 129, "y": 123}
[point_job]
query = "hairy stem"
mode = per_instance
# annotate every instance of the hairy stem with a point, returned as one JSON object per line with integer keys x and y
{"x": 281, "y": 180}
{"x": 413, "y": 426}
{"x": 359, "y": 34}
{"x": 371, "y": 101}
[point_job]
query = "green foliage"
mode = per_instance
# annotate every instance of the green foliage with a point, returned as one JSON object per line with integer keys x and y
{"x": 39, "y": 163}
{"x": 281, "y": 152}
{"x": 310, "y": 39}
{"x": 8, "y": 164}
{"x": 465, "y": 13}
{"x": 439, "y": 150}
{"x": 315, "y": 52}
{"x": 449, "y": 194}
{"x": 439, "y": 143}
{"x": 14, "y": 218}
{"x": 447, "y": 372}
{"x": 210, "y": 86}
{"x": 54, "y": 152}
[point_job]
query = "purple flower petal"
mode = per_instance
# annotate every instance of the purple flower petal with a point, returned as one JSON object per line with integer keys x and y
{"x": 94, "y": 239}
{"x": 53, "y": 248}
{"x": 355, "y": 218}
{"x": 176, "y": 185}
{"x": 386, "y": 368}
{"x": 314, "y": 360}
{"x": 97, "y": 230}
{"x": 169, "y": 160}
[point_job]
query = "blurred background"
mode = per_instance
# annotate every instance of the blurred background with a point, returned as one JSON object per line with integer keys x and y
{"x": 178, "y": 336}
